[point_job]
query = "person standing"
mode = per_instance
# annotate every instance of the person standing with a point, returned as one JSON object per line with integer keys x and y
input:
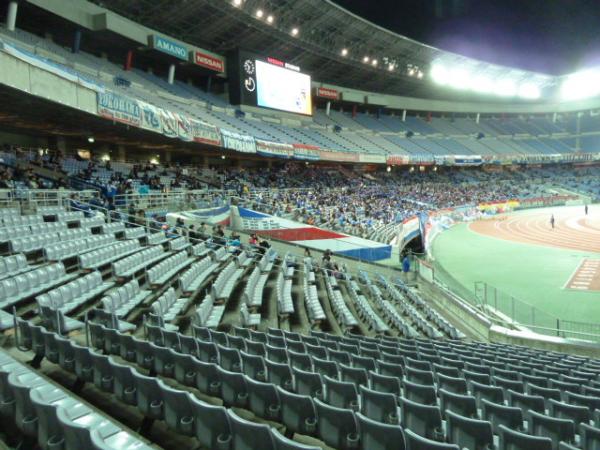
{"x": 552, "y": 221}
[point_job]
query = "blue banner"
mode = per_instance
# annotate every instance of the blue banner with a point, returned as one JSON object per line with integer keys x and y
{"x": 169, "y": 47}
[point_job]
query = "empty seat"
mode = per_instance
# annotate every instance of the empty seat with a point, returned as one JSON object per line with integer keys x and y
{"x": 424, "y": 420}
{"x": 515, "y": 440}
{"x": 341, "y": 394}
{"x": 465, "y": 405}
{"x": 420, "y": 393}
{"x": 379, "y": 406}
{"x": 525, "y": 402}
{"x": 337, "y": 427}
{"x": 416, "y": 442}
{"x": 468, "y": 433}
{"x": 263, "y": 399}
{"x": 374, "y": 435}
{"x": 383, "y": 383}
{"x": 325, "y": 367}
{"x": 234, "y": 390}
{"x": 308, "y": 383}
{"x": 211, "y": 424}
{"x": 282, "y": 443}
{"x": 494, "y": 394}
{"x": 248, "y": 435}
{"x": 419, "y": 376}
{"x": 499, "y": 414}
{"x": 556, "y": 429}
{"x": 279, "y": 374}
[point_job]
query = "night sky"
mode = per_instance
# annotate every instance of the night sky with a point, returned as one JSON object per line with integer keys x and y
{"x": 551, "y": 36}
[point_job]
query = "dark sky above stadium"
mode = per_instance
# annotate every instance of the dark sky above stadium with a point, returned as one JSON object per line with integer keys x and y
{"x": 551, "y": 36}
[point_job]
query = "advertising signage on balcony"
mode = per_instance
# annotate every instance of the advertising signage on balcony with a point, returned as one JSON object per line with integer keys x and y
{"x": 169, "y": 47}
{"x": 208, "y": 61}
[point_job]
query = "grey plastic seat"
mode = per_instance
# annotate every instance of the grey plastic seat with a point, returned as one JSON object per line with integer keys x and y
{"x": 546, "y": 393}
{"x": 572, "y": 398}
{"x": 465, "y": 405}
{"x": 525, "y": 402}
{"x": 316, "y": 350}
{"x": 248, "y": 435}
{"x": 589, "y": 437}
{"x": 481, "y": 378}
{"x": 300, "y": 361}
{"x": 499, "y": 414}
{"x": 416, "y": 442}
{"x": 374, "y": 435}
{"x": 565, "y": 386}
{"x": 230, "y": 359}
{"x": 144, "y": 356}
{"x": 237, "y": 342}
{"x": 383, "y": 383}
{"x": 466, "y": 432}
{"x": 263, "y": 399}
{"x": 379, "y": 406}
{"x": 178, "y": 412}
{"x": 363, "y": 362}
{"x": 187, "y": 345}
{"x": 78, "y": 436}
{"x": 208, "y": 378}
{"x": 425, "y": 420}
{"x": 280, "y": 374}
{"x": 103, "y": 375}
{"x": 556, "y": 429}
{"x": 340, "y": 394}
{"x": 184, "y": 369}
{"x": 356, "y": 375}
{"x": 515, "y": 440}
{"x": 339, "y": 356}
{"x": 218, "y": 337}
{"x": 295, "y": 346}
{"x": 351, "y": 349}
{"x": 420, "y": 393}
{"x": 308, "y": 383}
{"x": 207, "y": 351}
{"x": 336, "y": 427}
{"x": 419, "y": 376}
{"x": 149, "y": 399}
{"x": 242, "y": 332}
{"x": 283, "y": 443}
{"x": 578, "y": 414}
{"x": 66, "y": 355}
{"x": 414, "y": 363}
{"x": 211, "y": 424}
{"x": 163, "y": 361}
{"x": 83, "y": 362}
{"x": 276, "y": 354}
{"x": 451, "y": 384}
{"x": 494, "y": 394}
{"x": 254, "y": 366}
{"x": 390, "y": 369}
{"x": 533, "y": 379}
{"x": 506, "y": 384}
{"x": 256, "y": 348}
{"x": 201, "y": 333}
{"x": 297, "y": 412}
{"x": 446, "y": 370}
{"x": 127, "y": 347}
{"x": 258, "y": 336}
{"x": 124, "y": 386}
{"x": 325, "y": 367}
{"x": 233, "y": 388}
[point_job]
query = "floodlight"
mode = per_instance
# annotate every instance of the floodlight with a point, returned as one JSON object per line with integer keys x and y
{"x": 344, "y": 51}
{"x": 259, "y": 13}
{"x": 237, "y": 2}
{"x": 529, "y": 91}
{"x": 91, "y": 139}
{"x": 439, "y": 74}
{"x": 581, "y": 85}
{"x": 366, "y": 59}
{"x": 459, "y": 78}
{"x": 270, "y": 18}
{"x": 295, "y": 31}
{"x": 374, "y": 62}
{"x": 482, "y": 84}
{"x": 391, "y": 67}
{"x": 506, "y": 88}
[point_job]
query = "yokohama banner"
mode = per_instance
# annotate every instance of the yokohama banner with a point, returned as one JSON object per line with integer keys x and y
{"x": 274, "y": 149}
{"x": 119, "y": 108}
{"x": 240, "y": 142}
{"x": 205, "y": 133}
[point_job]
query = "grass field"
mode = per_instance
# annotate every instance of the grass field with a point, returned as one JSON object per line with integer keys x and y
{"x": 531, "y": 267}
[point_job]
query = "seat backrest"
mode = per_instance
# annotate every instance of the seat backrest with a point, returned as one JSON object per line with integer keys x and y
{"x": 514, "y": 440}
{"x": 417, "y": 442}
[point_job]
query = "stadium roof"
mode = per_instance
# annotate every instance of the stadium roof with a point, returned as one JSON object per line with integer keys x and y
{"x": 313, "y": 34}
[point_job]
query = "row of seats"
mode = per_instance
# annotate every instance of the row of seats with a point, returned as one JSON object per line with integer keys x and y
{"x": 252, "y": 296}
{"x": 32, "y": 242}
{"x": 92, "y": 222}
{"x": 13, "y": 265}
{"x": 164, "y": 270}
{"x": 200, "y": 249}
{"x": 69, "y": 216}
{"x": 226, "y": 281}
{"x": 131, "y": 264}
{"x": 340, "y": 308}
{"x": 112, "y": 228}
{"x": 178, "y": 243}
{"x": 8, "y": 233}
{"x": 247, "y": 318}
{"x": 156, "y": 238}
{"x": 390, "y": 313}
{"x": 168, "y": 306}
{"x": 53, "y": 415}
{"x": 59, "y": 251}
{"x": 285, "y": 304}
{"x": 75, "y": 293}
{"x": 364, "y": 309}
{"x": 107, "y": 254}
{"x": 28, "y": 284}
{"x": 17, "y": 220}
{"x": 54, "y": 319}
{"x": 122, "y": 300}
{"x": 311, "y": 297}
{"x": 209, "y": 314}
{"x": 191, "y": 280}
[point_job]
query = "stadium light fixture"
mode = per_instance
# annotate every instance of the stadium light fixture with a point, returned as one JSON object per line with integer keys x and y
{"x": 580, "y": 85}
{"x": 237, "y": 3}
{"x": 366, "y": 59}
{"x": 459, "y": 78}
{"x": 259, "y": 13}
{"x": 506, "y": 88}
{"x": 222, "y": 156}
{"x": 295, "y": 31}
{"x": 391, "y": 67}
{"x": 529, "y": 91}
{"x": 91, "y": 139}
{"x": 439, "y": 74}
{"x": 482, "y": 84}
{"x": 374, "y": 62}
{"x": 270, "y": 18}
{"x": 420, "y": 74}
{"x": 344, "y": 52}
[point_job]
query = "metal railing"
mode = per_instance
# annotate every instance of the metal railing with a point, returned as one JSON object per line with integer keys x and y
{"x": 22, "y": 198}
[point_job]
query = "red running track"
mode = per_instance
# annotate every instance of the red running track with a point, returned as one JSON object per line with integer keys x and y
{"x": 572, "y": 231}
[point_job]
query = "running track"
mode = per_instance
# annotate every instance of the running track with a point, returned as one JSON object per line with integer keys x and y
{"x": 572, "y": 231}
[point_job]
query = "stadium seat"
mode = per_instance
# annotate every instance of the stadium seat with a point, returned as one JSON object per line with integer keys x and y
{"x": 337, "y": 427}
{"x": 556, "y": 429}
{"x": 378, "y": 406}
{"x": 515, "y": 440}
{"x": 374, "y": 435}
{"x": 424, "y": 420}
{"x": 499, "y": 414}
{"x": 468, "y": 433}
{"x": 415, "y": 441}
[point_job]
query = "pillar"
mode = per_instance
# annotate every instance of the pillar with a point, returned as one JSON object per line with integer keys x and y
{"x": 403, "y": 115}
{"x": 208, "y": 84}
{"x": 76, "y": 41}
{"x": 578, "y": 132}
{"x": 328, "y": 108}
{"x": 554, "y": 117}
{"x": 128, "y": 60}
{"x": 477, "y": 117}
{"x": 171, "y": 77}
{"x": 11, "y": 16}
